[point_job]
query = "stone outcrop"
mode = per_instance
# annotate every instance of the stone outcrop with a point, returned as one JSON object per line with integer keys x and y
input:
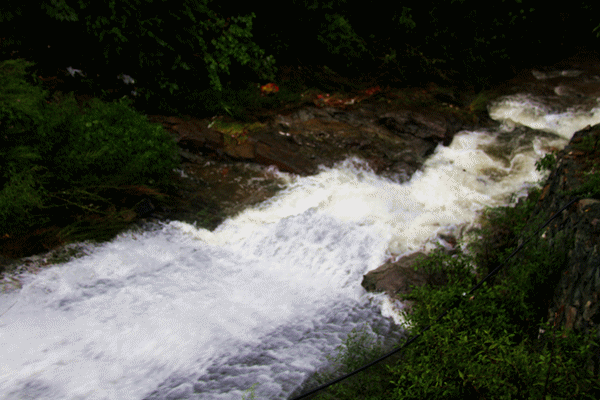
{"x": 396, "y": 141}
{"x": 576, "y": 298}
{"x": 399, "y": 277}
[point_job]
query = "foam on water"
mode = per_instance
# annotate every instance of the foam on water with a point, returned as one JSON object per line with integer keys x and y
{"x": 477, "y": 169}
{"x": 181, "y": 312}
{"x": 527, "y": 110}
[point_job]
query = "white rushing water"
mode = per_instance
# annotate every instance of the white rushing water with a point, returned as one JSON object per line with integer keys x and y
{"x": 183, "y": 313}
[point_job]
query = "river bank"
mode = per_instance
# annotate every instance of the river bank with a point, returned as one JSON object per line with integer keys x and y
{"x": 393, "y": 129}
{"x": 221, "y": 174}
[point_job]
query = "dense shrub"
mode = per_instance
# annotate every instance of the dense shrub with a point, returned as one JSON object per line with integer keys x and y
{"x": 21, "y": 104}
{"x": 112, "y": 139}
{"x": 53, "y": 152}
{"x": 20, "y": 116}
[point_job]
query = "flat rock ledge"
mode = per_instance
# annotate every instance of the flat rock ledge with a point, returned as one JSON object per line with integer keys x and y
{"x": 394, "y": 141}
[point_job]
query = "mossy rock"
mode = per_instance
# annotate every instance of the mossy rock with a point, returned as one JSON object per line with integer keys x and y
{"x": 234, "y": 127}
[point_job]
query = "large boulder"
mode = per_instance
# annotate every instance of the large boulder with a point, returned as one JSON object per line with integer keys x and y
{"x": 399, "y": 277}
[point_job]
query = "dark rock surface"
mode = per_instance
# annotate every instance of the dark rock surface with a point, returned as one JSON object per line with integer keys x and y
{"x": 396, "y": 140}
{"x": 576, "y": 299}
{"x": 399, "y": 277}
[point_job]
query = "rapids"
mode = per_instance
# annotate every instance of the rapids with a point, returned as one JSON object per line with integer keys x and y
{"x": 177, "y": 312}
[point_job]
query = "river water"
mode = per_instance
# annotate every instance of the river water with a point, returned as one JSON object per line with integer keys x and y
{"x": 177, "y": 312}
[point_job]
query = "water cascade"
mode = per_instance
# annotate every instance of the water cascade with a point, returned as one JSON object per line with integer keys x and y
{"x": 177, "y": 312}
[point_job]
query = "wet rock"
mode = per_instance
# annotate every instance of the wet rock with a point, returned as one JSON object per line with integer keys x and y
{"x": 404, "y": 122}
{"x": 309, "y": 113}
{"x": 192, "y": 134}
{"x": 239, "y": 148}
{"x": 576, "y": 296}
{"x": 311, "y": 136}
{"x": 273, "y": 151}
{"x": 398, "y": 277}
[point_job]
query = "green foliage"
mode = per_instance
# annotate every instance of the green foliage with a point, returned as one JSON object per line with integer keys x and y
{"x": 546, "y": 163}
{"x": 112, "y": 139}
{"x": 589, "y": 142}
{"x": 530, "y": 279}
{"x": 591, "y": 185}
{"x": 20, "y": 174}
{"x": 433, "y": 301}
{"x": 480, "y": 350}
{"x": 20, "y": 197}
{"x": 20, "y": 102}
{"x": 347, "y": 36}
{"x": 339, "y": 37}
{"x": 437, "y": 262}
{"x": 478, "y": 363}
{"x": 60, "y": 10}
{"x": 499, "y": 227}
{"x": 199, "y": 43}
{"x": 358, "y": 348}
{"x": 55, "y": 155}
{"x": 468, "y": 37}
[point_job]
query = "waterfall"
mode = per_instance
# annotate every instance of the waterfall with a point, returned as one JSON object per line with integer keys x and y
{"x": 178, "y": 312}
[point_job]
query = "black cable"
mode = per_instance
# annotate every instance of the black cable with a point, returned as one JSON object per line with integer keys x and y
{"x": 443, "y": 314}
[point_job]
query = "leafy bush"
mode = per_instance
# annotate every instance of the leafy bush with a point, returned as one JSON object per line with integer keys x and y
{"x": 55, "y": 154}
{"x": 458, "y": 361}
{"x": 481, "y": 349}
{"x": 358, "y": 348}
{"x": 112, "y": 139}
{"x": 20, "y": 197}
{"x": 500, "y": 226}
{"x": 591, "y": 186}
{"x": 20, "y": 103}
{"x": 20, "y": 114}
{"x": 546, "y": 163}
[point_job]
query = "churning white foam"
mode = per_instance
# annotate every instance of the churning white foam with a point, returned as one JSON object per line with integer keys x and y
{"x": 531, "y": 111}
